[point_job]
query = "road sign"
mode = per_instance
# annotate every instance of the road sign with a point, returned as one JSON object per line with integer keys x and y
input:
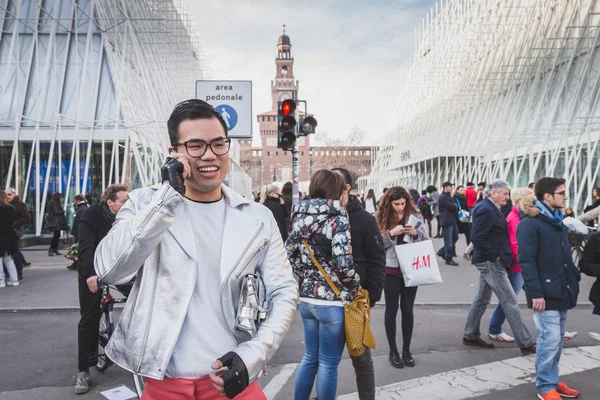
{"x": 233, "y": 100}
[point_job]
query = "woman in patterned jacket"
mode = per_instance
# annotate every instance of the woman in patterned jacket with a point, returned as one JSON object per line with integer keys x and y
{"x": 322, "y": 222}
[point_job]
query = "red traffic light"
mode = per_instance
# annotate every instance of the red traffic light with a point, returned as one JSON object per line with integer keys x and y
{"x": 288, "y": 107}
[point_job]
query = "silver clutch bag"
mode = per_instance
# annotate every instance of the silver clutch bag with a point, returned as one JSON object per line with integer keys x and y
{"x": 253, "y": 307}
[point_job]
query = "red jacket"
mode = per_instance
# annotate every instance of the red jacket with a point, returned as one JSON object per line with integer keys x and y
{"x": 471, "y": 194}
{"x": 513, "y": 220}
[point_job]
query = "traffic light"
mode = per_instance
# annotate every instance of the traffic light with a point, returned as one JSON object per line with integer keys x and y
{"x": 307, "y": 126}
{"x": 286, "y": 122}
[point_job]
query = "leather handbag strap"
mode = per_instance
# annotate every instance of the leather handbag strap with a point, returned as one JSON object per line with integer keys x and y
{"x": 327, "y": 278}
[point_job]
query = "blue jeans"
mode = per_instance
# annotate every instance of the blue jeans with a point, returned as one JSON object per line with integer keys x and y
{"x": 450, "y": 239}
{"x": 324, "y": 338}
{"x": 551, "y": 326}
{"x": 516, "y": 281}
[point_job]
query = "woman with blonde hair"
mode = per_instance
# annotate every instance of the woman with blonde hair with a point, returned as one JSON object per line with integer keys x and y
{"x": 8, "y": 215}
{"x": 522, "y": 199}
{"x": 395, "y": 211}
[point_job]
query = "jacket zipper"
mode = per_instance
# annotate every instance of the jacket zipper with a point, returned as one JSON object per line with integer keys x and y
{"x": 155, "y": 209}
{"x": 262, "y": 246}
{"x": 234, "y": 269}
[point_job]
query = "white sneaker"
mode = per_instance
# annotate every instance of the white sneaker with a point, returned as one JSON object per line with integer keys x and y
{"x": 12, "y": 283}
{"x": 570, "y": 335}
{"x": 2, "y": 285}
{"x": 502, "y": 337}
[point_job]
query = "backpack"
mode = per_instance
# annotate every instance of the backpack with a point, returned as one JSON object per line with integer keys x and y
{"x": 425, "y": 209}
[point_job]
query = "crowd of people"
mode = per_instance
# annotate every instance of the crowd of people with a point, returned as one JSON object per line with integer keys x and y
{"x": 321, "y": 254}
{"x": 217, "y": 279}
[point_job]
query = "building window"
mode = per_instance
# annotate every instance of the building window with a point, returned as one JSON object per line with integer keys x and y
{"x": 368, "y": 152}
{"x": 302, "y": 153}
{"x": 276, "y": 153}
{"x": 260, "y": 153}
{"x": 310, "y": 153}
{"x": 253, "y": 153}
{"x": 268, "y": 153}
{"x": 327, "y": 153}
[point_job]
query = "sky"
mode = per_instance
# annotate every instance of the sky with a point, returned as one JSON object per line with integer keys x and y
{"x": 347, "y": 54}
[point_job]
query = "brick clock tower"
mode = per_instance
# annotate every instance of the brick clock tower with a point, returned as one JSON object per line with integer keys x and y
{"x": 276, "y": 163}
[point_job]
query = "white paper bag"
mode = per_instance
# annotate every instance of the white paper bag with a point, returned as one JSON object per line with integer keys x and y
{"x": 418, "y": 263}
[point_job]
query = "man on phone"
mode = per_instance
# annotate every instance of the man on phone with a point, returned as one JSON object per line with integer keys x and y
{"x": 195, "y": 240}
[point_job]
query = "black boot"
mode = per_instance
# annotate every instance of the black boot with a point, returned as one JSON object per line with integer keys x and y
{"x": 56, "y": 252}
{"x": 407, "y": 359}
{"x": 395, "y": 360}
{"x": 50, "y": 253}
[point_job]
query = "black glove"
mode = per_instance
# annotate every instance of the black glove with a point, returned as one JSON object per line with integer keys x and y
{"x": 236, "y": 379}
{"x": 172, "y": 172}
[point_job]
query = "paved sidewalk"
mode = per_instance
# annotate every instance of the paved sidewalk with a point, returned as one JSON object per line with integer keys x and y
{"x": 48, "y": 285}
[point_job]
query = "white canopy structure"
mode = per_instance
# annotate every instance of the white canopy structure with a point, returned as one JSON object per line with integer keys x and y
{"x": 499, "y": 89}
{"x": 86, "y": 87}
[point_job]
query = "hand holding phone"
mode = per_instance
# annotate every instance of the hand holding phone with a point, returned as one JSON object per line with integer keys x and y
{"x": 174, "y": 171}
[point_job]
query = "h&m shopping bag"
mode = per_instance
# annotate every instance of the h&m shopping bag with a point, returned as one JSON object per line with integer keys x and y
{"x": 418, "y": 263}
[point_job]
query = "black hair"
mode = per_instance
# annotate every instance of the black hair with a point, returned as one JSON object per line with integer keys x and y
{"x": 547, "y": 185}
{"x": 430, "y": 189}
{"x": 345, "y": 173}
{"x": 482, "y": 184}
{"x": 286, "y": 190}
{"x": 531, "y": 185}
{"x": 191, "y": 109}
{"x": 423, "y": 192}
{"x": 470, "y": 184}
{"x": 79, "y": 197}
{"x": 385, "y": 190}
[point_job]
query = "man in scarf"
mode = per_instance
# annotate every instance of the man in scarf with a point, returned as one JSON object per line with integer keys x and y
{"x": 551, "y": 281}
{"x": 94, "y": 225}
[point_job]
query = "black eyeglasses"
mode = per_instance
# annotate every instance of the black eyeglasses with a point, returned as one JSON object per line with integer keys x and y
{"x": 197, "y": 147}
{"x": 563, "y": 193}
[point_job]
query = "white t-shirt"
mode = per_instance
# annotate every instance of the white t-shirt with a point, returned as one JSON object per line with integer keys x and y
{"x": 204, "y": 336}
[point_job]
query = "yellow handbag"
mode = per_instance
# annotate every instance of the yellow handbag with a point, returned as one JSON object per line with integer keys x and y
{"x": 357, "y": 315}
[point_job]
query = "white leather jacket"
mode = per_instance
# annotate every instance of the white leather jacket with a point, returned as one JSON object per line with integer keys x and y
{"x": 153, "y": 238}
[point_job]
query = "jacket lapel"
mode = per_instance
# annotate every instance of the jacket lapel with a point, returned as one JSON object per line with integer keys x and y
{"x": 239, "y": 235}
{"x": 182, "y": 231}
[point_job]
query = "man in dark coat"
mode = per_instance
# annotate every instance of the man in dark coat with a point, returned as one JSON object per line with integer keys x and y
{"x": 590, "y": 265}
{"x": 94, "y": 225}
{"x": 275, "y": 203}
{"x": 493, "y": 256}
{"x": 286, "y": 195}
{"x": 23, "y": 217}
{"x": 449, "y": 222}
{"x": 369, "y": 263}
{"x": 551, "y": 281}
{"x": 80, "y": 205}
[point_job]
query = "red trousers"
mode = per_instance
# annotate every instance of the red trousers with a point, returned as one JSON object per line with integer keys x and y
{"x": 193, "y": 389}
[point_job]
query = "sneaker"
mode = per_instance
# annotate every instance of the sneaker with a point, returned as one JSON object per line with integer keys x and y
{"x": 26, "y": 264}
{"x": 566, "y": 391}
{"x": 15, "y": 283}
{"x": 570, "y": 335}
{"x": 83, "y": 382}
{"x": 502, "y": 337}
{"x": 2, "y": 285}
{"x": 551, "y": 395}
{"x": 467, "y": 256}
{"x": 452, "y": 262}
